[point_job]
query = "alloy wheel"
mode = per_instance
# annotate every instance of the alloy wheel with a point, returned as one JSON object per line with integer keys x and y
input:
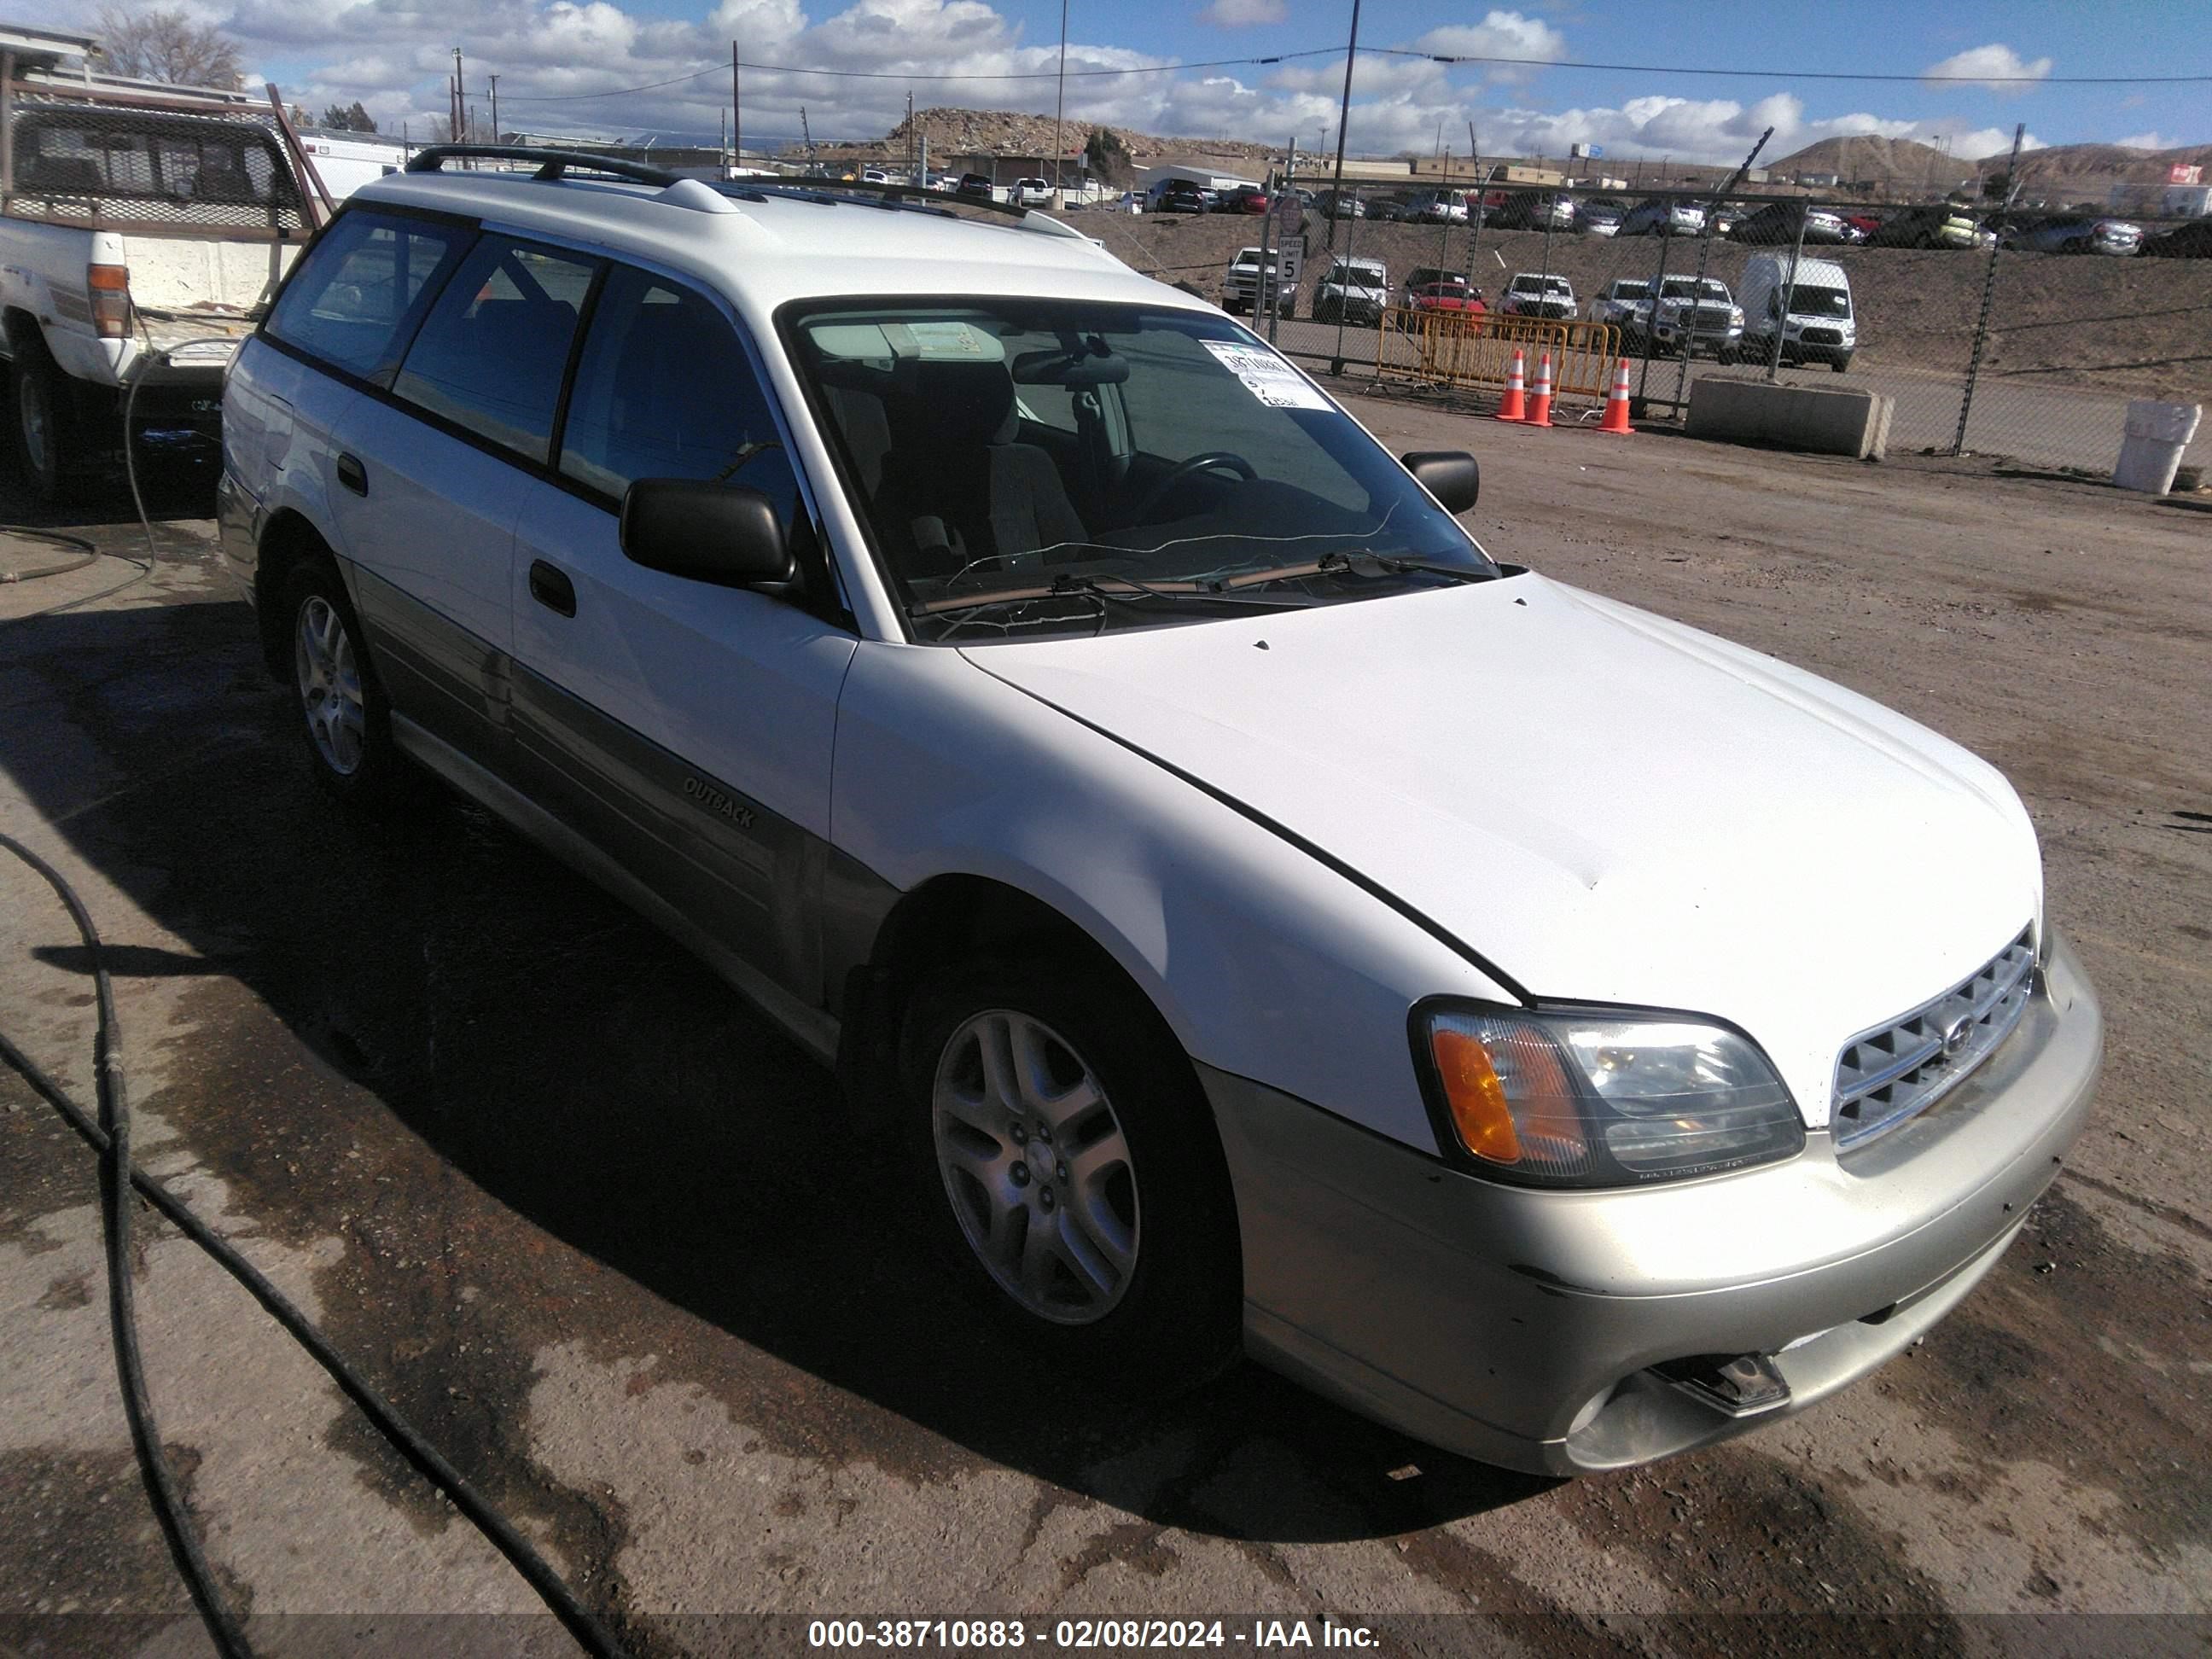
{"x": 330, "y": 686}
{"x": 1037, "y": 1167}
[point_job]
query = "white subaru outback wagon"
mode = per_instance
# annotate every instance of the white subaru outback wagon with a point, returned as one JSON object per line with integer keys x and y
{"x": 1268, "y": 921}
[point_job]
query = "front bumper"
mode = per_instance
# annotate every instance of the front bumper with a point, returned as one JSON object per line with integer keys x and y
{"x": 1519, "y": 1327}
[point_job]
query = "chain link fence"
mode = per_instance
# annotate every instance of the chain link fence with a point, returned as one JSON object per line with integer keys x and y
{"x": 2085, "y": 310}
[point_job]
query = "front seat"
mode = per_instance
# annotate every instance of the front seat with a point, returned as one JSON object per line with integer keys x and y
{"x": 1004, "y": 498}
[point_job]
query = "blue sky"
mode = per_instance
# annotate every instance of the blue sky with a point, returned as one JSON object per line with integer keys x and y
{"x": 392, "y": 55}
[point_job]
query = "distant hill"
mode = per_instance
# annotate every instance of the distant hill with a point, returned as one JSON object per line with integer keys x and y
{"x": 1886, "y": 162}
{"x": 999, "y": 132}
{"x": 2106, "y": 163}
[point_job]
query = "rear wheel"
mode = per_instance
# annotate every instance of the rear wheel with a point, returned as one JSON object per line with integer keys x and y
{"x": 342, "y": 707}
{"x": 1069, "y": 1171}
{"x": 45, "y": 423}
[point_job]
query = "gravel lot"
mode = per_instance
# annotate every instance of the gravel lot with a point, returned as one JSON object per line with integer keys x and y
{"x": 604, "y": 1235}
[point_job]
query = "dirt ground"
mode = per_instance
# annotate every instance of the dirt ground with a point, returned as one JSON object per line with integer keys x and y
{"x": 2139, "y": 326}
{"x": 603, "y": 1233}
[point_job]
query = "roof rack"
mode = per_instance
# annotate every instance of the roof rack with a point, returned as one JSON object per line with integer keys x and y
{"x": 551, "y": 163}
{"x": 940, "y": 201}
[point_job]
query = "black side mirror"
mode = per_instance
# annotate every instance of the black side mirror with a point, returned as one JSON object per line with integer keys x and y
{"x": 707, "y": 532}
{"x": 1449, "y": 475}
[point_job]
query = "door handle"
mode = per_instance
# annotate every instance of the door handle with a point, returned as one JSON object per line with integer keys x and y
{"x": 352, "y": 474}
{"x": 552, "y": 588}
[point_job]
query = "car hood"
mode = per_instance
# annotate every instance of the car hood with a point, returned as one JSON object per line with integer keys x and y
{"x": 1604, "y": 805}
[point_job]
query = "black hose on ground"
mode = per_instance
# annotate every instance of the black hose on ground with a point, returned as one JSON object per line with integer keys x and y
{"x": 120, "y": 1177}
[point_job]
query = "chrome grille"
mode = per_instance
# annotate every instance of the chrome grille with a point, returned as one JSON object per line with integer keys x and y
{"x": 1899, "y": 1070}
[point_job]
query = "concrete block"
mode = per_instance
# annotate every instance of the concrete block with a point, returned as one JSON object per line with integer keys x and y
{"x": 1820, "y": 420}
{"x": 2151, "y": 446}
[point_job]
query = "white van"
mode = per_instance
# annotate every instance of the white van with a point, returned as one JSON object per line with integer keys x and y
{"x": 1821, "y": 326}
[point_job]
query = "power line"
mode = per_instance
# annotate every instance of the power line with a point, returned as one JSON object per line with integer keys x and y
{"x": 1448, "y": 59}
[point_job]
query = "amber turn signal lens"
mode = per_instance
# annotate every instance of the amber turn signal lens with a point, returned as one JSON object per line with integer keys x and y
{"x": 1479, "y": 1108}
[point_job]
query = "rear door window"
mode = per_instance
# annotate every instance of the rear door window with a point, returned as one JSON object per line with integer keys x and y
{"x": 495, "y": 347}
{"x": 359, "y": 292}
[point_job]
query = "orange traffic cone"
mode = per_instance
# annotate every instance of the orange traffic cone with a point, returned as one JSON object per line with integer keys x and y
{"x": 1616, "y": 405}
{"x": 1514, "y": 405}
{"x": 1539, "y": 401}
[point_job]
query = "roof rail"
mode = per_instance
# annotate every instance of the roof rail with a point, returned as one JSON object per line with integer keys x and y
{"x": 941, "y": 201}
{"x": 551, "y": 163}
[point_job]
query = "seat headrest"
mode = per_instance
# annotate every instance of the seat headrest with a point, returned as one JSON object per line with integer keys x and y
{"x": 963, "y": 403}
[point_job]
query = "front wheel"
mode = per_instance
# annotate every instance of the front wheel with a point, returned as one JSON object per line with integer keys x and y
{"x": 1840, "y": 364}
{"x": 1070, "y": 1171}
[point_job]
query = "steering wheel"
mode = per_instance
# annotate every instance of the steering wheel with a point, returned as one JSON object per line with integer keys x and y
{"x": 1200, "y": 463}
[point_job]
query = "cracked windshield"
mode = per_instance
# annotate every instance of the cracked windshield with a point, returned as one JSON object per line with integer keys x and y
{"x": 1026, "y": 468}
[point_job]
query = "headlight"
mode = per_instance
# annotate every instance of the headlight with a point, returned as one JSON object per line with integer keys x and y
{"x": 1601, "y": 1099}
{"x": 1735, "y": 316}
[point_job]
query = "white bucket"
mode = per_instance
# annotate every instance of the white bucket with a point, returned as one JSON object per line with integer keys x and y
{"x": 2150, "y": 453}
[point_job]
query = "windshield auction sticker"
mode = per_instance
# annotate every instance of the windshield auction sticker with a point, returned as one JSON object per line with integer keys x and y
{"x": 1266, "y": 376}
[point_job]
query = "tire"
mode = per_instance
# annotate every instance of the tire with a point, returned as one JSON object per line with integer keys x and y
{"x": 1141, "y": 1284}
{"x": 45, "y": 423}
{"x": 1840, "y": 364}
{"x": 353, "y": 755}
{"x": 1288, "y": 311}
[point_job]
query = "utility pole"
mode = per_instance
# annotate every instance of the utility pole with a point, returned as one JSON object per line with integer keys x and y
{"x": 494, "y": 109}
{"x": 805, "y": 137}
{"x": 910, "y": 137}
{"x": 1059, "y": 105}
{"x": 1343, "y": 119}
{"x": 737, "y": 112}
{"x": 453, "y": 104}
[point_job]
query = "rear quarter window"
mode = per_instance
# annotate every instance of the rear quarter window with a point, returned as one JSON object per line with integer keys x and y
{"x": 358, "y": 292}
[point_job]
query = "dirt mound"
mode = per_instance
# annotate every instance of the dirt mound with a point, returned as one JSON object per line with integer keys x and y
{"x": 1883, "y": 162}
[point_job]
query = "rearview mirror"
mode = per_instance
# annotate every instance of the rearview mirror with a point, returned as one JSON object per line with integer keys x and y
{"x": 707, "y": 532}
{"x": 1449, "y": 475}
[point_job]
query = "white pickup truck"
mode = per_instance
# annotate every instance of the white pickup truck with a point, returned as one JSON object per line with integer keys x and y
{"x": 137, "y": 235}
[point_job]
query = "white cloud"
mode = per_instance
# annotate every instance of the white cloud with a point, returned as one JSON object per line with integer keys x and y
{"x": 1499, "y": 34}
{"x": 2147, "y": 141}
{"x": 1998, "y": 68}
{"x": 1242, "y": 14}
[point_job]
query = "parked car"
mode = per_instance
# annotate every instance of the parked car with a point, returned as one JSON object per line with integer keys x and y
{"x": 1570, "y": 1098}
{"x": 1182, "y": 196}
{"x": 1435, "y": 207}
{"x": 1664, "y": 217}
{"x": 1819, "y": 325}
{"x": 1345, "y": 205}
{"x": 1451, "y": 297}
{"x": 1254, "y": 277}
{"x": 1535, "y": 210}
{"x": 1532, "y": 293}
{"x": 128, "y": 258}
{"x": 974, "y": 187}
{"x": 1722, "y": 221}
{"x": 1937, "y": 226}
{"x": 875, "y": 176}
{"x": 2072, "y": 234}
{"x": 1692, "y": 316}
{"x": 1777, "y": 223}
{"x": 1030, "y": 193}
{"x": 1129, "y": 201}
{"x": 1621, "y": 302}
{"x": 2189, "y": 242}
{"x": 1353, "y": 291}
{"x": 1600, "y": 219}
{"x": 1244, "y": 199}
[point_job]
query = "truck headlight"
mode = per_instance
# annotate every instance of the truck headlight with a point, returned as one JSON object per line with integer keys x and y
{"x": 1600, "y": 1098}
{"x": 1735, "y": 316}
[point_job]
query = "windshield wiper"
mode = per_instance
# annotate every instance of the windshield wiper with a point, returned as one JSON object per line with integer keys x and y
{"x": 1332, "y": 564}
{"x": 1121, "y": 590}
